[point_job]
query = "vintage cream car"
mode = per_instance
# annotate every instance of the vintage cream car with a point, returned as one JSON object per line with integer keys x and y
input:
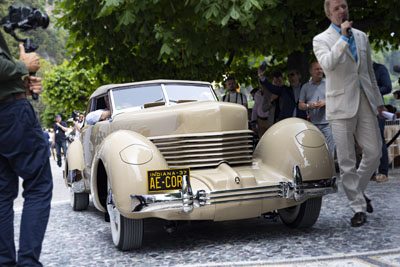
{"x": 170, "y": 150}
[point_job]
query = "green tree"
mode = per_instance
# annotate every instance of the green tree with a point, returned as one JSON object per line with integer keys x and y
{"x": 66, "y": 89}
{"x": 204, "y": 39}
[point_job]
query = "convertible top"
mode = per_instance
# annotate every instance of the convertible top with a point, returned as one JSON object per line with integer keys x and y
{"x": 104, "y": 88}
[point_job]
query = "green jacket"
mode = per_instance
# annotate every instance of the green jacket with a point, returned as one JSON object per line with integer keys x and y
{"x": 10, "y": 72}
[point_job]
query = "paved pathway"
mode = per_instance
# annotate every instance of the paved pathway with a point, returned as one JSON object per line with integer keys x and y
{"x": 84, "y": 238}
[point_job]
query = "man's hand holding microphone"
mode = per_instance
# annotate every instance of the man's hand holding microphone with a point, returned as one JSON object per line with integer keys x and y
{"x": 346, "y": 28}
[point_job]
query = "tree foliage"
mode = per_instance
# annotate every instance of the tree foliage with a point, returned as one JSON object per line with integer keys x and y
{"x": 66, "y": 90}
{"x": 204, "y": 39}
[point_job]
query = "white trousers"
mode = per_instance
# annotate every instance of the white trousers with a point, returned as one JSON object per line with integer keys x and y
{"x": 363, "y": 128}
{"x": 327, "y": 132}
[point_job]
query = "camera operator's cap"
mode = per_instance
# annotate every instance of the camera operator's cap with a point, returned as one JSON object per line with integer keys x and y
{"x": 58, "y": 116}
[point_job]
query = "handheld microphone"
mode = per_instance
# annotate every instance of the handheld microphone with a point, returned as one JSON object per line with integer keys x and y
{"x": 349, "y": 32}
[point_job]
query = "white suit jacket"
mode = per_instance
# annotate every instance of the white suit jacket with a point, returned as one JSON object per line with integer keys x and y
{"x": 344, "y": 74}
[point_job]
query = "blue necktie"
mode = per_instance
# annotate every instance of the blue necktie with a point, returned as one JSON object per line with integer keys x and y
{"x": 353, "y": 48}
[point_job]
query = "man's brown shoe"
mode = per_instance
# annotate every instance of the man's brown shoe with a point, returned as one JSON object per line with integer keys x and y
{"x": 380, "y": 178}
{"x": 370, "y": 209}
{"x": 359, "y": 219}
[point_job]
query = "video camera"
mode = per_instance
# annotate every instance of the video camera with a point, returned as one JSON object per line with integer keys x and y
{"x": 25, "y": 19}
{"x": 74, "y": 115}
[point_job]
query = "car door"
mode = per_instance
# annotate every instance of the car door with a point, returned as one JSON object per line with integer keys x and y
{"x": 93, "y": 135}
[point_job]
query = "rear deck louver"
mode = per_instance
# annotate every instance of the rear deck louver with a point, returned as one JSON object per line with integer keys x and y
{"x": 206, "y": 149}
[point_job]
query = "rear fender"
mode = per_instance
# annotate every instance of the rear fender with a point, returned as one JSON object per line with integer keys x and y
{"x": 126, "y": 157}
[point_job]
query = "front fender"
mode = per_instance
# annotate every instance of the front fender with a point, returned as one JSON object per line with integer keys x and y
{"x": 292, "y": 142}
{"x": 126, "y": 156}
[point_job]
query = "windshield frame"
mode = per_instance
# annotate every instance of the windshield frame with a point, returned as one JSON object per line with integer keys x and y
{"x": 164, "y": 92}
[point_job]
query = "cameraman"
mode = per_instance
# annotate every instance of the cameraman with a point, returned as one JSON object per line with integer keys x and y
{"x": 24, "y": 153}
{"x": 78, "y": 124}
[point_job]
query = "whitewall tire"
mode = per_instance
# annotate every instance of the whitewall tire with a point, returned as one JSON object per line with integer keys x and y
{"x": 127, "y": 234}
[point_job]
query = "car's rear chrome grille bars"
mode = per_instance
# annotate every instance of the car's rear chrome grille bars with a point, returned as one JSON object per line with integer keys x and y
{"x": 206, "y": 149}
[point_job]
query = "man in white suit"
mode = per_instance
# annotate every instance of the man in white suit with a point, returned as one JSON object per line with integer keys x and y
{"x": 352, "y": 102}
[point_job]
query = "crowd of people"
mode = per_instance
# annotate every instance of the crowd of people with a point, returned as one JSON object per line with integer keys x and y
{"x": 274, "y": 101}
{"x": 346, "y": 106}
{"x": 61, "y": 135}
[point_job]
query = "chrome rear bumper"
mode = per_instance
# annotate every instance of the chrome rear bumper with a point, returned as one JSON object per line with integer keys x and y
{"x": 186, "y": 200}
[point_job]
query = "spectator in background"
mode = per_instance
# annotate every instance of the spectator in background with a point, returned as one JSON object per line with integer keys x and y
{"x": 395, "y": 98}
{"x": 232, "y": 95}
{"x": 396, "y": 94}
{"x": 294, "y": 80}
{"x": 312, "y": 99}
{"x": 275, "y": 105}
{"x": 385, "y": 87}
{"x": 59, "y": 141}
{"x": 250, "y": 110}
{"x": 52, "y": 147}
{"x": 78, "y": 124}
{"x": 391, "y": 109}
{"x": 48, "y": 138}
{"x": 254, "y": 91}
{"x": 289, "y": 94}
{"x": 46, "y": 134}
{"x": 260, "y": 121}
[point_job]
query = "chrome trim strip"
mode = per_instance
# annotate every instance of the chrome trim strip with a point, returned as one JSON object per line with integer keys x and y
{"x": 244, "y": 189}
{"x": 245, "y": 199}
{"x": 186, "y": 200}
{"x": 279, "y": 192}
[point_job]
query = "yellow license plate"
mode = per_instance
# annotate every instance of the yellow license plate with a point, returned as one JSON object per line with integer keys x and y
{"x": 166, "y": 180}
